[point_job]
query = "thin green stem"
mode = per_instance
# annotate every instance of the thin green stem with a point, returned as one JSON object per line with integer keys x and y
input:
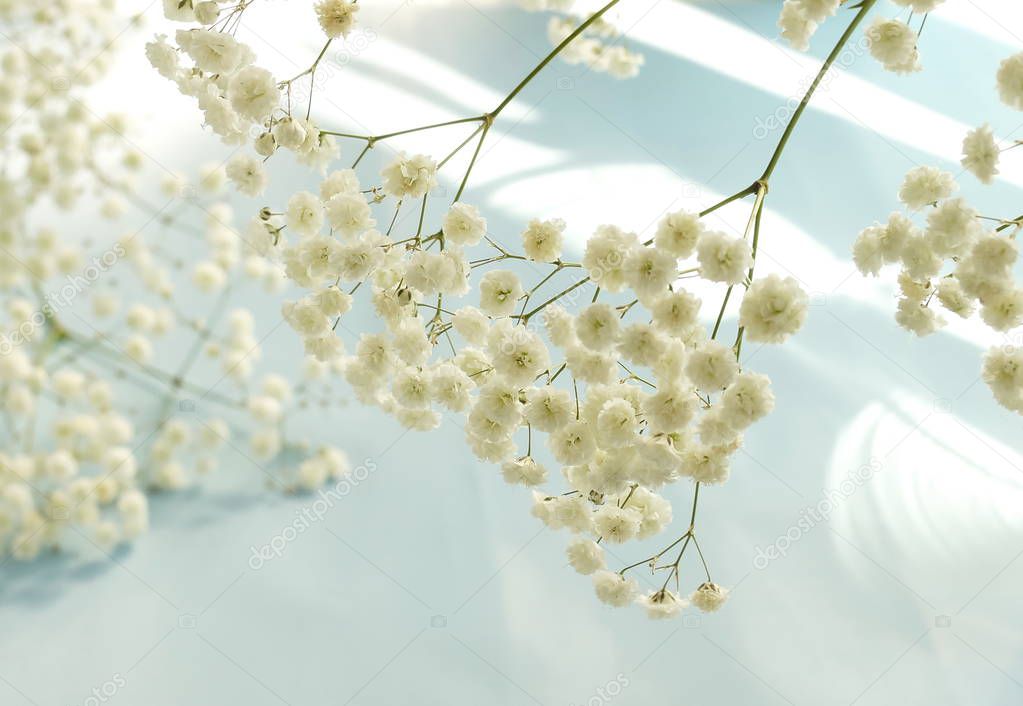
{"x": 864, "y": 8}
{"x": 550, "y": 57}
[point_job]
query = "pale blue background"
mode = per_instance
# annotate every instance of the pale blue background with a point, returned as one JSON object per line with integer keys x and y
{"x": 431, "y": 584}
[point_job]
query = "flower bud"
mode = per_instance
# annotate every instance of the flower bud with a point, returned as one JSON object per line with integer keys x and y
{"x": 265, "y": 144}
{"x": 207, "y": 12}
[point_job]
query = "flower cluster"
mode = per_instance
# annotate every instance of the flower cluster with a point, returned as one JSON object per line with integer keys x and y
{"x": 609, "y": 359}
{"x": 891, "y": 41}
{"x": 600, "y": 48}
{"x": 949, "y": 260}
{"x": 79, "y": 361}
{"x": 83, "y": 486}
{"x": 631, "y": 390}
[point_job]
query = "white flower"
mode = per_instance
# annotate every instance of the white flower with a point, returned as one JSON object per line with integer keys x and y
{"x": 463, "y": 225}
{"x": 916, "y": 317}
{"x": 614, "y": 589}
{"x": 676, "y": 312}
{"x": 709, "y": 597}
{"x": 747, "y": 399}
{"x": 796, "y": 27}
{"x": 265, "y": 145}
{"x": 541, "y": 241}
{"x": 620, "y": 62}
{"x": 609, "y": 473}
{"x": 213, "y": 52}
{"x": 162, "y": 56}
{"x": 615, "y": 524}
{"x": 980, "y": 153}
{"x": 926, "y": 185}
{"x": 818, "y": 10}
{"x": 208, "y": 276}
{"x": 305, "y": 213}
{"x": 524, "y": 471}
{"x": 410, "y": 176}
{"x": 605, "y": 254}
{"x": 1003, "y": 311}
{"x": 919, "y": 259}
{"x": 349, "y": 213}
{"x": 471, "y": 324}
{"x": 265, "y": 409}
{"x": 572, "y": 444}
{"x": 411, "y": 388}
{"x": 516, "y": 352}
{"x": 333, "y": 302}
{"x": 994, "y": 253}
{"x": 549, "y": 408}
{"x": 670, "y": 408}
{"x": 336, "y": 17}
{"x": 919, "y": 6}
{"x": 247, "y": 173}
{"x": 411, "y": 343}
{"x": 678, "y": 233}
{"x": 67, "y": 383}
{"x": 1003, "y": 373}
{"x": 221, "y": 117}
{"x": 585, "y": 555}
{"x": 306, "y": 317}
{"x": 723, "y": 258}
{"x": 560, "y": 326}
{"x": 641, "y": 344}
{"x": 318, "y": 150}
{"x": 253, "y": 93}
{"x": 450, "y": 387}
{"x": 597, "y": 326}
{"x": 867, "y": 252}
{"x": 1010, "y": 81}
{"x": 207, "y": 12}
{"x": 649, "y": 271}
{"x": 342, "y": 181}
{"x": 952, "y": 296}
{"x": 715, "y": 429}
{"x": 662, "y": 604}
{"x": 499, "y": 292}
{"x": 617, "y": 424}
{"x": 138, "y": 348}
{"x": 178, "y": 11}
{"x": 951, "y": 227}
{"x": 894, "y": 234}
{"x": 893, "y": 43}
{"x": 917, "y": 290}
{"x": 773, "y": 309}
{"x": 712, "y": 366}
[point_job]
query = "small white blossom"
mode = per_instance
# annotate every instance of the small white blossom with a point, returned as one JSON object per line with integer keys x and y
{"x": 980, "y": 154}
{"x": 893, "y": 43}
{"x": 709, "y": 597}
{"x": 773, "y": 309}
{"x": 723, "y": 258}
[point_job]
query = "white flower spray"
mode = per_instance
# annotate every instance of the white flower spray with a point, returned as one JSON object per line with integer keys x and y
{"x": 82, "y": 322}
